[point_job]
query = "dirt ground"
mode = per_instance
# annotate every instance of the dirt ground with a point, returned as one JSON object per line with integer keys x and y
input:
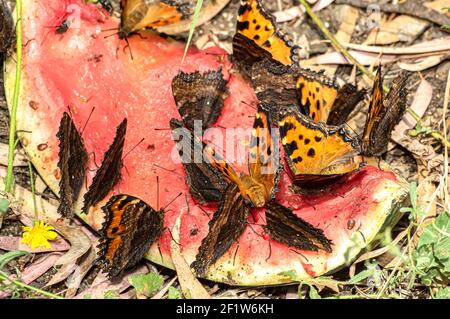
{"x": 223, "y": 27}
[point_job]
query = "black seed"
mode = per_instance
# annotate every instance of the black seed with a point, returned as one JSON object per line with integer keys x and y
{"x": 311, "y": 152}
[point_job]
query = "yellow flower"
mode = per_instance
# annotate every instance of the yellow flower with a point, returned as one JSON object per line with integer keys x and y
{"x": 38, "y": 235}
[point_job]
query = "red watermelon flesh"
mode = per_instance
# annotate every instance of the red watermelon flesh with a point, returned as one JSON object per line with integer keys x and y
{"x": 85, "y": 68}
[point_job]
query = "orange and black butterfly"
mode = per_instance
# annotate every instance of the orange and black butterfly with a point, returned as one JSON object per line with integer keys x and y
{"x": 138, "y": 15}
{"x": 199, "y": 97}
{"x": 131, "y": 226}
{"x": 384, "y": 114}
{"x": 72, "y": 163}
{"x": 109, "y": 173}
{"x": 257, "y": 36}
{"x": 256, "y": 189}
{"x": 317, "y": 153}
{"x": 312, "y": 93}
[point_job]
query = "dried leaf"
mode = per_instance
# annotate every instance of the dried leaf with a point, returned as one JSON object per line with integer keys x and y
{"x": 402, "y": 28}
{"x": 190, "y": 286}
{"x": 83, "y": 267}
{"x": 20, "y": 158}
{"x": 423, "y": 63}
{"x": 63, "y": 272}
{"x": 39, "y": 267}
{"x": 363, "y": 58}
{"x": 10, "y": 243}
{"x": 439, "y": 5}
{"x": 79, "y": 242}
{"x": 102, "y": 285}
{"x": 166, "y": 287}
{"x": 421, "y": 101}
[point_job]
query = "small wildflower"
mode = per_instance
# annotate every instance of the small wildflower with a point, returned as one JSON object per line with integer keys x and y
{"x": 38, "y": 235}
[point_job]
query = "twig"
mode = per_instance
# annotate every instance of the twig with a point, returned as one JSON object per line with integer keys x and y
{"x": 444, "y": 114}
{"x": 9, "y": 182}
{"x": 339, "y": 47}
{"x": 411, "y": 8}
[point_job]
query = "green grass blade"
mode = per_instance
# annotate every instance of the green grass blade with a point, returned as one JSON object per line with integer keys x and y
{"x": 194, "y": 22}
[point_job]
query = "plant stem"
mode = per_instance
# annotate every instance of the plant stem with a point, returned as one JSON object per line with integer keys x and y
{"x": 339, "y": 47}
{"x": 30, "y": 168}
{"x": 4, "y": 276}
{"x": 9, "y": 182}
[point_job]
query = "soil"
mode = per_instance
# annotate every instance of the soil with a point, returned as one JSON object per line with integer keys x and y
{"x": 223, "y": 27}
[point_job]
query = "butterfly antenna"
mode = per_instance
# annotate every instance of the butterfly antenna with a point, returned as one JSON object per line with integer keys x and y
{"x": 172, "y": 201}
{"x": 248, "y": 104}
{"x": 157, "y": 193}
{"x": 87, "y": 121}
{"x": 111, "y": 35}
{"x": 133, "y": 148}
{"x": 235, "y": 254}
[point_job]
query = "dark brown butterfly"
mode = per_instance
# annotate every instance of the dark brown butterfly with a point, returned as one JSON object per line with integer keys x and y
{"x": 257, "y": 36}
{"x": 107, "y": 5}
{"x": 138, "y": 15}
{"x": 6, "y": 27}
{"x": 205, "y": 183}
{"x": 109, "y": 172}
{"x": 384, "y": 113}
{"x": 131, "y": 226}
{"x": 72, "y": 163}
{"x": 199, "y": 97}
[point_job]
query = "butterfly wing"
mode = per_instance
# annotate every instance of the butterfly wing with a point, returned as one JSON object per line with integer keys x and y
{"x": 205, "y": 183}
{"x": 263, "y": 157}
{"x": 257, "y": 36}
{"x": 227, "y": 224}
{"x": 317, "y": 94}
{"x": 130, "y": 228}
{"x": 287, "y": 228}
{"x": 316, "y": 152}
{"x": 199, "y": 97}
{"x": 276, "y": 85}
{"x": 347, "y": 99}
{"x": 109, "y": 172}
{"x": 141, "y": 14}
{"x": 384, "y": 114}
{"x": 72, "y": 163}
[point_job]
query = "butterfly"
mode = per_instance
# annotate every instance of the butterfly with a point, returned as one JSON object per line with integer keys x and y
{"x": 131, "y": 226}
{"x": 312, "y": 93}
{"x": 317, "y": 153}
{"x": 107, "y": 5}
{"x": 257, "y": 189}
{"x": 199, "y": 97}
{"x": 141, "y": 14}
{"x": 108, "y": 175}
{"x": 72, "y": 163}
{"x": 257, "y": 36}
{"x": 6, "y": 27}
{"x": 384, "y": 114}
{"x": 205, "y": 183}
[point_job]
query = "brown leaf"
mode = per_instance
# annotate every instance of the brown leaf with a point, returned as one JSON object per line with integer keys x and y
{"x": 423, "y": 63}
{"x": 10, "y": 243}
{"x": 63, "y": 272}
{"x": 190, "y": 286}
{"x": 83, "y": 267}
{"x": 79, "y": 241}
{"x": 39, "y": 267}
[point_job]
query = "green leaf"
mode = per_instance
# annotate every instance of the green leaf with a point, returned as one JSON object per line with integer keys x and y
{"x": 7, "y": 257}
{"x": 361, "y": 276}
{"x": 4, "y": 205}
{"x": 146, "y": 284}
{"x": 110, "y": 294}
{"x": 443, "y": 293}
{"x": 174, "y": 293}
{"x": 313, "y": 293}
{"x": 291, "y": 274}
